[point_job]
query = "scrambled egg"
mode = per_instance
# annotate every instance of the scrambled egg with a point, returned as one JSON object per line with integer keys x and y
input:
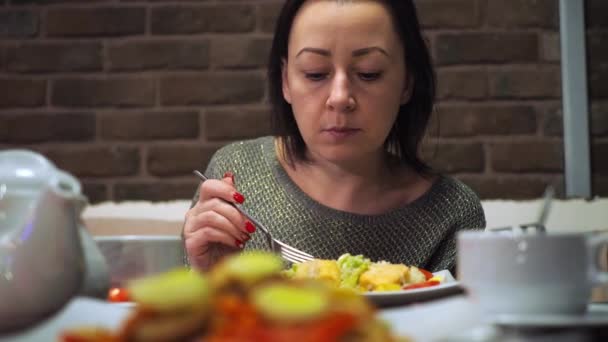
{"x": 326, "y": 270}
{"x": 359, "y": 273}
{"x": 384, "y": 276}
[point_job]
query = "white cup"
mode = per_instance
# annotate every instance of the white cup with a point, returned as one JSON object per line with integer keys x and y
{"x": 530, "y": 273}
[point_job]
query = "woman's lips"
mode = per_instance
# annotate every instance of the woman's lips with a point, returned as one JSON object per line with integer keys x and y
{"x": 340, "y": 132}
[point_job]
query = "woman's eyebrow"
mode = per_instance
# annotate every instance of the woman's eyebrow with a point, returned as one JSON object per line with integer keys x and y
{"x": 366, "y": 50}
{"x": 318, "y": 51}
{"x": 356, "y": 53}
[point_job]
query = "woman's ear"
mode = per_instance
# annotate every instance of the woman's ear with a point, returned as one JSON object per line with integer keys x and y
{"x": 285, "y": 82}
{"x": 408, "y": 89}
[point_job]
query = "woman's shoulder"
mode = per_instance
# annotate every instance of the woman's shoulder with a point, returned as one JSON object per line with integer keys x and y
{"x": 245, "y": 147}
{"x": 461, "y": 198}
{"x": 239, "y": 155}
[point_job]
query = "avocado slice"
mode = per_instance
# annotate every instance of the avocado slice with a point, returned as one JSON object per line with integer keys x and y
{"x": 283, "y": 302}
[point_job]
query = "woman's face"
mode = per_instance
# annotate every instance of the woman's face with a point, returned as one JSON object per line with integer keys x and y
{"x": 344, "y": 77}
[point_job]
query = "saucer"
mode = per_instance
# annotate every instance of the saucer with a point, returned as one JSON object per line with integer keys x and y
{"x": 596, "y": 316}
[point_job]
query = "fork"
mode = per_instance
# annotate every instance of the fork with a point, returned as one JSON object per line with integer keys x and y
{"x": 286, "y": 251}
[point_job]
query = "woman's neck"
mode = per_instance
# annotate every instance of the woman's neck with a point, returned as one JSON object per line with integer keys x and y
{"x": 366, "y": 186}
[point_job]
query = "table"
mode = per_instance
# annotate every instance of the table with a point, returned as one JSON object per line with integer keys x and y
{"x": 454, "y": 319}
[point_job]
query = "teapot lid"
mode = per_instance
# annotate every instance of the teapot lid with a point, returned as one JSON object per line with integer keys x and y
{"x": 24, "y": 169}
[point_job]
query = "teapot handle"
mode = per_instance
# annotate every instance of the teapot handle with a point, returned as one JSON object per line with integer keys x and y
{"x": 68, "y": 183}
{"x": 598, "y": 245}
{"x": 69, "y": 186}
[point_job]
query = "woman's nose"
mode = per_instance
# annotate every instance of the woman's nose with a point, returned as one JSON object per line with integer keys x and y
{"x": 340, "y": 96}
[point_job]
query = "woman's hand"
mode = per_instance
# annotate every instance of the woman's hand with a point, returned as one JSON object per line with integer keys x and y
{"x": 213, "y": 227}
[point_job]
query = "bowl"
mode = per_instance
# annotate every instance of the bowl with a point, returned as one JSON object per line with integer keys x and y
{"x": 134, "y": 256}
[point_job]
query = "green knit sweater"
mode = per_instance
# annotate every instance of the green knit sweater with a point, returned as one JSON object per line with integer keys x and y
{"x": 421, "y": 233}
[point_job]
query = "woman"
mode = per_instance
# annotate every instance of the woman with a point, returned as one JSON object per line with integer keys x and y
{"x": 352, "y": 89}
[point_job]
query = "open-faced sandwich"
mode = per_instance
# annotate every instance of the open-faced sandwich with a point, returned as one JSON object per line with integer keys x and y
{"x": 359, "y": 273}
{"x": 244, "y": 298}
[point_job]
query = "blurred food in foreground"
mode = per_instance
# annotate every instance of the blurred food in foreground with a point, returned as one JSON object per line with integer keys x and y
{"x": 244, "y": 298}
{"x": 359, "y": 273}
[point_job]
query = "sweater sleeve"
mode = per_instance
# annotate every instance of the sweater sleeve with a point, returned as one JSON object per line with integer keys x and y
{"x": 471, "y": 218}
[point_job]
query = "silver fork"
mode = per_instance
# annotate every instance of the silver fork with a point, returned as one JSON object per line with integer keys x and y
{"x": 286, "y": 251}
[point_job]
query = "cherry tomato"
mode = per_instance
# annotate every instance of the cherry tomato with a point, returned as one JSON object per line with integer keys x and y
{"x": 428, "y": 275}
{"x": 118, "y": 294}
{"x": 421, "y": 285}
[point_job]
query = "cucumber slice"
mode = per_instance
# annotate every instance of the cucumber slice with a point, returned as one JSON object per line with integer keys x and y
{"x": 281, "y": 302}
{"x": 176, "y": 290}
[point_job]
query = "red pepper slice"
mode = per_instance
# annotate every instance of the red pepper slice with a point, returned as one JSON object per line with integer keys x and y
{"x": 118, "y": 294}
{"x": 428, "y": 275}
{"x": 427, "y": 283}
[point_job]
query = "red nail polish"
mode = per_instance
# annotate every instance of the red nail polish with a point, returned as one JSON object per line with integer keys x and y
{"x": 229, "y": 174}
{"x": 249, "y": 227}
{"x": 238, "y": 198}
{"x": 239, "y": 243}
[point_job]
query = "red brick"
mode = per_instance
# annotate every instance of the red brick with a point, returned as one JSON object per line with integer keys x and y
{"x": 473, "y": 120}
{"x": 598, "y": 83}
{"x": 222, "y": 124}
{"x": 96, "y": 161}
{"x": 155, "y": 191}
{"x": 550, "y": 47}
{"x": 95, "y": 192}
{"x": 455, "y": 157}
{"x": 212, "y": 88}
{"x": 526, "y": 83}
{"x": 267, "y": 14}
{"x": 595, "y": 14}
{"x": 98, "y": 21}
{"x": 522, "y": 13}
{"x": 597, "y": 48}
{"x": 599, "y": 119}
{"x": 41, "y": 127}
{"x": 22, "y": 93}
{"x": 148, "y": 125}
{"x": 103, "y": 92}
{"x": 18, "y": 23}
{"x": 178, "y": 160}
{"x": 47, "y": 2}
{"x": 469, "y": 84}
{"x": 191, "y": 19}
{"x": 533, "y": 156}
{"x": 553, "y": 120}
{"x": 49, "y": 57}
{"x": 600, "y": 185}
{"x": 481, "y": 47}
{"x": 448, "y": 13}
{"x": 507, "y": 187}
{"x": 240, "y": 52}
{"x": 599, "y": 158}
{"x": 186, "y": 54}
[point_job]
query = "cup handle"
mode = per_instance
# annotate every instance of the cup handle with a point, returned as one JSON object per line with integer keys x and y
{"x": 596, "y": 243}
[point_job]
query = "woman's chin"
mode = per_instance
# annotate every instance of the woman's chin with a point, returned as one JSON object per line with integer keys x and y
{"x": 340, "y": 155}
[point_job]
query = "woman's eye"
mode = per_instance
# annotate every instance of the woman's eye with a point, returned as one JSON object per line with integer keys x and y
{"x": 369, "y": 76}
{"x": 316, "y": 76}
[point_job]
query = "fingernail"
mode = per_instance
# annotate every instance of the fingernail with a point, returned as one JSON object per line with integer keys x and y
{"x": 229, "y": 174}
{"x": 249, "y": 227}
{"x": 238, "y": 198}
{"x": 239, "y": 244}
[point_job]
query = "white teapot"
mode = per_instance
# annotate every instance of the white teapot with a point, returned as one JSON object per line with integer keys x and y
{"x": 46, "y": 256}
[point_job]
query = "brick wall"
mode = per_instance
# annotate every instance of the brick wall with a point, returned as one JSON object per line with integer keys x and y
{"x": 131, "y": 96}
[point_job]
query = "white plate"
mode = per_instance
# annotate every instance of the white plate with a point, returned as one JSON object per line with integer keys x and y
{"x": 596, "y": 316}
{"x": 449, "y": 286}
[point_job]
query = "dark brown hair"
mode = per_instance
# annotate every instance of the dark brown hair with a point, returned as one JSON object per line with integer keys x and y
{"x": 412, "y": 120}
